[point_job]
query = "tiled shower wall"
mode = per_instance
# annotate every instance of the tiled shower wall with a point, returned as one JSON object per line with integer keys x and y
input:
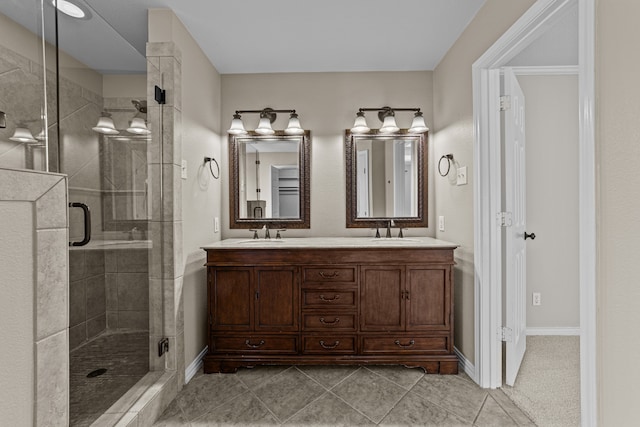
{"x": 108, "y": 290}
{"x": 127, "y": 287}
{"x": 87, "y": 302}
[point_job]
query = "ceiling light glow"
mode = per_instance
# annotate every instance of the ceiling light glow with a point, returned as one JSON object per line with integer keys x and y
{"x": 71, "y": 9}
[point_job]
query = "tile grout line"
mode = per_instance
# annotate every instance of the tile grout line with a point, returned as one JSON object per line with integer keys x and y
{"x": 484, "y": 402}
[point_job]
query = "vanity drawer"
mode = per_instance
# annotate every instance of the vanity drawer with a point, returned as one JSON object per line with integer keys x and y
{"x": 405, "y": 344}
{"x": 330, "y": 274}
{"x": 255, "y": 344}
{"x": 329, "y": 344}
{"x": 330, "y": 297}
{"x": 329, "y": 321}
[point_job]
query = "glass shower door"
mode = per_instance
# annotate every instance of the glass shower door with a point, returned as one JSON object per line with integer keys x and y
{"x": 103, "y": 146}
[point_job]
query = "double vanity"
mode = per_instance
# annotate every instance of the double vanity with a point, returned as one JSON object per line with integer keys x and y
{"x": 330, "y": 301}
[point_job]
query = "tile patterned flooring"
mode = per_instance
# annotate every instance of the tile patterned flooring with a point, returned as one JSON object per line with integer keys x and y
{"x": 338, "y": 396}
{"x": 125, "y": 355}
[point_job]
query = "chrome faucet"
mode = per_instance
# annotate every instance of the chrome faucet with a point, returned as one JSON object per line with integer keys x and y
{"x": 389, "y": 224}
{"x": 266, "y": 231}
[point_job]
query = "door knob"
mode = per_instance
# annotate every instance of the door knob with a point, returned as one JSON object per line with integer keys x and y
{"x": 531, "y": 236}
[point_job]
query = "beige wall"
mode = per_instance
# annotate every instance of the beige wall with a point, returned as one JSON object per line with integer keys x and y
{"x": 453, "y": 120}
{"x": 618, "y": 154}
{"x": 552, "y": 199}
{"x": 16, "y": 313}
{"x": 200, "y": 192}
{"x": 327, "y": 104}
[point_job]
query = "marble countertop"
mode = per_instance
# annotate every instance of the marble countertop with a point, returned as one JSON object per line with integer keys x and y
{"x": 331, "y": 242}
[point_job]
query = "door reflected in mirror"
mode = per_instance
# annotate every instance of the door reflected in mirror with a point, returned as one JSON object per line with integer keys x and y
{"x": 386, "y": 179}
{"x": 269, "y": 179}
{"x": 269, "y": 182}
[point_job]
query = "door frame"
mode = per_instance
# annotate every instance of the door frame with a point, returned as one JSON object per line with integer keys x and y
{"x": 487, "y": 193}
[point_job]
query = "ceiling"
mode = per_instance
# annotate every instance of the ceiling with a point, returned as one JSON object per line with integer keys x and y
{"x": 257, "y": 36}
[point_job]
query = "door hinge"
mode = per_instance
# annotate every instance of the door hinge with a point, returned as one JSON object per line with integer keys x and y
{"x": 505, "y": 219}
{"x": 505, "y": 103}
{"x": 506, "y": 334}
{"x": 163, "y": 346}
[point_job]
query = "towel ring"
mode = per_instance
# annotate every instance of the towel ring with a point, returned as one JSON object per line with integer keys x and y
{"x": 449, "y": 158}
{"x": 212, "y": 160}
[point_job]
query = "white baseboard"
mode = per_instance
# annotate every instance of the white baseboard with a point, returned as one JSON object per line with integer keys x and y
{"x": 465, "y": 365}
{"x": 194, "y": 366}
{"x": 554, "y": 331}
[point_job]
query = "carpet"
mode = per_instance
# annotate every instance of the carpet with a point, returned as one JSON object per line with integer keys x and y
{"x": 548, "y": 385}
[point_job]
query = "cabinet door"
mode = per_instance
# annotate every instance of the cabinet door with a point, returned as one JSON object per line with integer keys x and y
{"x": 276, "y": 298}
{"x": 381, "y": 298}
{"x": 428, "y": 299}
{"x": 230, "y": 304}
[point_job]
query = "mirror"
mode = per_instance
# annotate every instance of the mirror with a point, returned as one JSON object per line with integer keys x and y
{"x": 386, "y": 179}
{"x": 269, "y": 182}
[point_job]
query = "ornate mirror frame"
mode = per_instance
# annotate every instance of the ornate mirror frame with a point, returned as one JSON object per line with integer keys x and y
{"x": 353, "y": 221}
{"x": 304, "y": 162}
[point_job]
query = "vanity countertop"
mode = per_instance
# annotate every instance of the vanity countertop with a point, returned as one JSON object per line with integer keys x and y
{"x": 331, "y": 242}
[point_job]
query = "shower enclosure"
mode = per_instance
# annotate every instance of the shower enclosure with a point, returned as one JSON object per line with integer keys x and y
{"x": 73, "y": 100}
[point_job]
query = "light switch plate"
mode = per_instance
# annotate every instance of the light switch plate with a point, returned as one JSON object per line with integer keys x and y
{"x": 183, "y": 170}
{"x": 441, "y": 223}
{"x": 462, "y": 176}
{"x": 216, "y": 224}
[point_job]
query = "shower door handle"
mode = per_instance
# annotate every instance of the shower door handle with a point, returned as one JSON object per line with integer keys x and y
{"x": 87, "y": 223}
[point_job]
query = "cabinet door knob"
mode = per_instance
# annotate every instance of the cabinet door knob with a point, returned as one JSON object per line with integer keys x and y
{"x": 399, "y": 344}
{"x": 335, "y": 297}
{"x": 329, "y": 346}
{"x": 248, "y": 343}
{"x": 336, "y": 320}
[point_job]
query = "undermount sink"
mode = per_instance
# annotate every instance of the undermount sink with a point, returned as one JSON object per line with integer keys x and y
{"x": 393, "y": 240}
{"x": 261, "y": 241}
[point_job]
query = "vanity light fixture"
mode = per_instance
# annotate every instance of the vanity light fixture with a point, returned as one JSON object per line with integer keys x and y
{"x": 138, "y": 127}
{"x": 105, "y": 125}
{"x": 22, "y": 134}
{"x": 387, "y": 117}
{"x": 267, "y": 116}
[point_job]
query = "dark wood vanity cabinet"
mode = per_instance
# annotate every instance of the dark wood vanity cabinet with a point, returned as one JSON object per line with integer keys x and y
{"x": 320, "y": 306}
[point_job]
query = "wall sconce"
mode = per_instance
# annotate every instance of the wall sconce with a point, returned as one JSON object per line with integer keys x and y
{"x": 388, "y": 119}
{"x": 22, "y": 134}
{"x": 267, "y": 116}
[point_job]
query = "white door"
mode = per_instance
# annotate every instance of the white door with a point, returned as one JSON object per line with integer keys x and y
{"x": 515, "y": 250}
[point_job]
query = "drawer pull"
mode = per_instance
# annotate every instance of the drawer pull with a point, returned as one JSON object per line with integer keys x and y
{"x": 337, "y": 319}
{"x": 328, "y": 276}
{"x": 411, "y": 343}
{"x": 335, "y": 297}
{"x": 260, "y": 344}
{"x": 329, "y": 347}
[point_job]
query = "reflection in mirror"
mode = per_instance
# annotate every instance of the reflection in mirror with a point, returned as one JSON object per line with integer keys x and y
{"x": 386, "y": 179}
{"x": 270, "y": 180}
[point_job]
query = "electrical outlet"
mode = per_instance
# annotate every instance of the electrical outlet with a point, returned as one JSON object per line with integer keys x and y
{"x": 461, "y": 178}
{"x": 441, "y": 223}
{"x": 537, "y": 298}
{"x": 216, "y": 224}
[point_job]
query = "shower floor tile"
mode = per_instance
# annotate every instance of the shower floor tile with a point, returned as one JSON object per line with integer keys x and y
{"x": 125, "y": 356}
